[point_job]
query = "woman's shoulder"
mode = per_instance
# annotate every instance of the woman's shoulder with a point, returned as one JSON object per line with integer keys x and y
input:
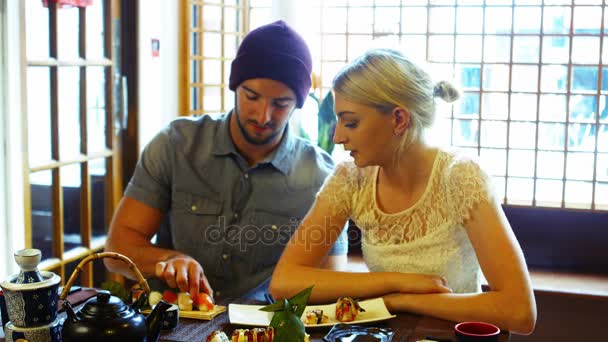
{"x": 457, "y": 163}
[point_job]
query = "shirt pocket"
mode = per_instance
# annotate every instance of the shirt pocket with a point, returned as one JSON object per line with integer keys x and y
{"x": 273, "y": 232}
{"x": 196, "y": 220}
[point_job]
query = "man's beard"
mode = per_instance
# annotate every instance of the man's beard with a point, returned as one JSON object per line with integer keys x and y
{"x": 251, "y": 139}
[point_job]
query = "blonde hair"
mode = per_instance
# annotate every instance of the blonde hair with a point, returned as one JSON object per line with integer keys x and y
{"x": 385, "y": 79}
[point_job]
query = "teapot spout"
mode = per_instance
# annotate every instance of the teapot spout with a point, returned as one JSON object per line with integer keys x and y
{"x": 154, "y": 321}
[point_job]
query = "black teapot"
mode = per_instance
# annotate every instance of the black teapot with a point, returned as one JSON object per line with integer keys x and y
{"x": 106, "y": 317}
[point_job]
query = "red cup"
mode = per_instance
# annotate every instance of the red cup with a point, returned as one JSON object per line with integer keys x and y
{"x": 476, "y": 332}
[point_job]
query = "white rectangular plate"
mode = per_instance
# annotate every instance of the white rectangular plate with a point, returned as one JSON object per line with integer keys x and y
{"x": 250, "y": 315}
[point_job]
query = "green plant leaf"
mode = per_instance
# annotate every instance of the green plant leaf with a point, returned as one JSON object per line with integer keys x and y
{"x": 286, "y": 319}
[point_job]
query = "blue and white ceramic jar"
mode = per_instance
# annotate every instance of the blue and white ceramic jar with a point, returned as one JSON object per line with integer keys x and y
{"x": 45, "y": 333}
{"x": 31, "y": 304}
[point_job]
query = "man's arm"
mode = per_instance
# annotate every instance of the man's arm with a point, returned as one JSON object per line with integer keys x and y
{"x": 133, "y": 225}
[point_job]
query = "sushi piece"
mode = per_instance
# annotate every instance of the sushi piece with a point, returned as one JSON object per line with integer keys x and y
{"x": 315, "y": 317}
{"x": 184, "y": 301}
{"x": 217, "y": 336}
{"x": 203, "y": 302}
{"x": 347, "y": 309}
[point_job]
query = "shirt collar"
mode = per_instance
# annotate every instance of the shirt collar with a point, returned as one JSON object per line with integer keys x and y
{"x": 281, "y": 158}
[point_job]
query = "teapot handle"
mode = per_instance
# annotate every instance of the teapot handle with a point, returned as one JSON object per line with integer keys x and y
{"x": 140, "y": 278}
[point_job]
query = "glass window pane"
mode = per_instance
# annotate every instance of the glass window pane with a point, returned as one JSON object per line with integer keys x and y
{"x": 554, "y": 78}
{"x": 195, "y": 11}
{"x": 526, "y": 78}
{"x": 67, "y": 33}
{"x": 441, "y": 132}
{"x": 602, "y": 167}
{"x": 552, "y": 107}
{"x": 549, "y": 193}
{"x": 601, "y": 196}
{"x": 498, "y": 20}
{"x": 212, "y": 18}
{"x": 357, "y": 45}
{"x": 334, "y": 20}
{"x": 469, "y": 105}
{"x": 578, "y": 194}
{"x": 226, "y": 79}
{"x": 495, "y": 106}
{"x": 496, "y": 77}
{"x": 70, "y": 184}
{"x": 414, "y": 46}
{"x": 469, "y": 20}
{"x": 96, "y": 109}
{"x": 212, "y": 99}
{"x": 497, "y": 49}
{"x": 526, "y": 49}
{"x": 212, "y": 45}
{"x": 520, "y": 191}
{"x": 579, "y": 166}
{"x": 42, "y": 212}
{"x": 587, "y": 19}
{"x": 100, "y": 187}
{"x": 498, "y": 184}
{"x": 387, "y": 20}
{"x": 230, "y": 46}
{"x": 581, "y": 137}
{"x": 584, "y": 79}
{"x": 95, "y": 30}
{"x": 36, "y": 30}
{"x": 551, "y": 136}
{"x": 522, "y": 135}
{"x": 360, "y": 20}
{"x": 212, "y": 71}
{"x": 329, "y": 71}
{"x": 69, "y": 112}
{"x": 231, "y": 19}
{"x": 414, "y": 20}
{"x": 494, "y": 161}
{"x": 604, "y": 108}
{"x": 441, "y": 48}
{"x": 195, "y": 44}
{"x": 334, "y": 47}
{"x": 523, "y": 107}
{"x": 493, "y": 134}
{"x": 527, "y": 20}
{"x": 602, "y": 139}
{"x": 556, "y": 49}
{"x": 585, "y": 50}
{"x": 550, "y": 165}
{"x": 228, "y": 99}
{"x": 468, "y": 48}
{"x": 469, "y": 76}
{"x": 583, "y": 108}
{"x": 195, "y": 98}
{"x": 556, "y": 19}
{"x": 521, "y": 163}
{"x": 466, "y": 132}
{"x": 38, "y": 114}
{"x": 441, "y": 19}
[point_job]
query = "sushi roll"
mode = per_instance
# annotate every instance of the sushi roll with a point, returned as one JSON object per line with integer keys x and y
{"x": 347, "y": 309}
{"x": 315, "y": 317}
{"x": 217, "y": 336}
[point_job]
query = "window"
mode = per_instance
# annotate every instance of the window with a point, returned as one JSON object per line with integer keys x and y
{"x": 534, "y": 79}
{"x": 71, "y": 155}
{"x": 213, "y": 32}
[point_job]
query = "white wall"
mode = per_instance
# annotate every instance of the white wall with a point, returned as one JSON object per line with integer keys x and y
{"x": 12, "y": 168}
{"x": 158, "y": 76}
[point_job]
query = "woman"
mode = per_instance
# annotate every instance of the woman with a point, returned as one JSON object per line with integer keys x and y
{"x": 429, "y": 220}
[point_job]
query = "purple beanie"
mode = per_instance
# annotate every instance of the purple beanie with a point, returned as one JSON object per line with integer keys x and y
{"x": 277, "y": 52}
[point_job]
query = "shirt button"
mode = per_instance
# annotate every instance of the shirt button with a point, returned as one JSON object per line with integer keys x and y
{"x": 246, "y": 175}
{"x": 194, "y": 208}
{"x": 236, "y": 215}
{"x": 274, "y": 227}
{"x": 225, "y": 256}
{"x": 217, "y": 293}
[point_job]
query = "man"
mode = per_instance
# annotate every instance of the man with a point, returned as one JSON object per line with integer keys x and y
{"x": 225, "y": 195}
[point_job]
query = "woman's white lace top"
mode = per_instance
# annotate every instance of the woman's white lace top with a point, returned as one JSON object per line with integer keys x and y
{"x": 429, "y": 237}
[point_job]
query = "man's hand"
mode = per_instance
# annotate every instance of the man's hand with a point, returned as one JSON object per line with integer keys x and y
{"x": 184, "y": 273}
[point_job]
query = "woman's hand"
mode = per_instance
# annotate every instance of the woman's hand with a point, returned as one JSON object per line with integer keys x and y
{"x": 421, "y": 283}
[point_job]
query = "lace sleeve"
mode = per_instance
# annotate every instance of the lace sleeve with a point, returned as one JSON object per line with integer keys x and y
{"x": 338, "y": 188}
{"x": 469, "y": 185}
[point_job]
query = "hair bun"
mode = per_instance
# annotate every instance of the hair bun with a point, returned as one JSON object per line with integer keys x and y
{"x": 446, "y": 91}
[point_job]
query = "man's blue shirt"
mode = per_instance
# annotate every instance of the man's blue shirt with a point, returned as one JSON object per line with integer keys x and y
{"x": 232, "y": 218}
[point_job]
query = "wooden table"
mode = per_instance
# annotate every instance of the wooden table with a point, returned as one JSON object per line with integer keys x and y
{"x": 407, "y": 328}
